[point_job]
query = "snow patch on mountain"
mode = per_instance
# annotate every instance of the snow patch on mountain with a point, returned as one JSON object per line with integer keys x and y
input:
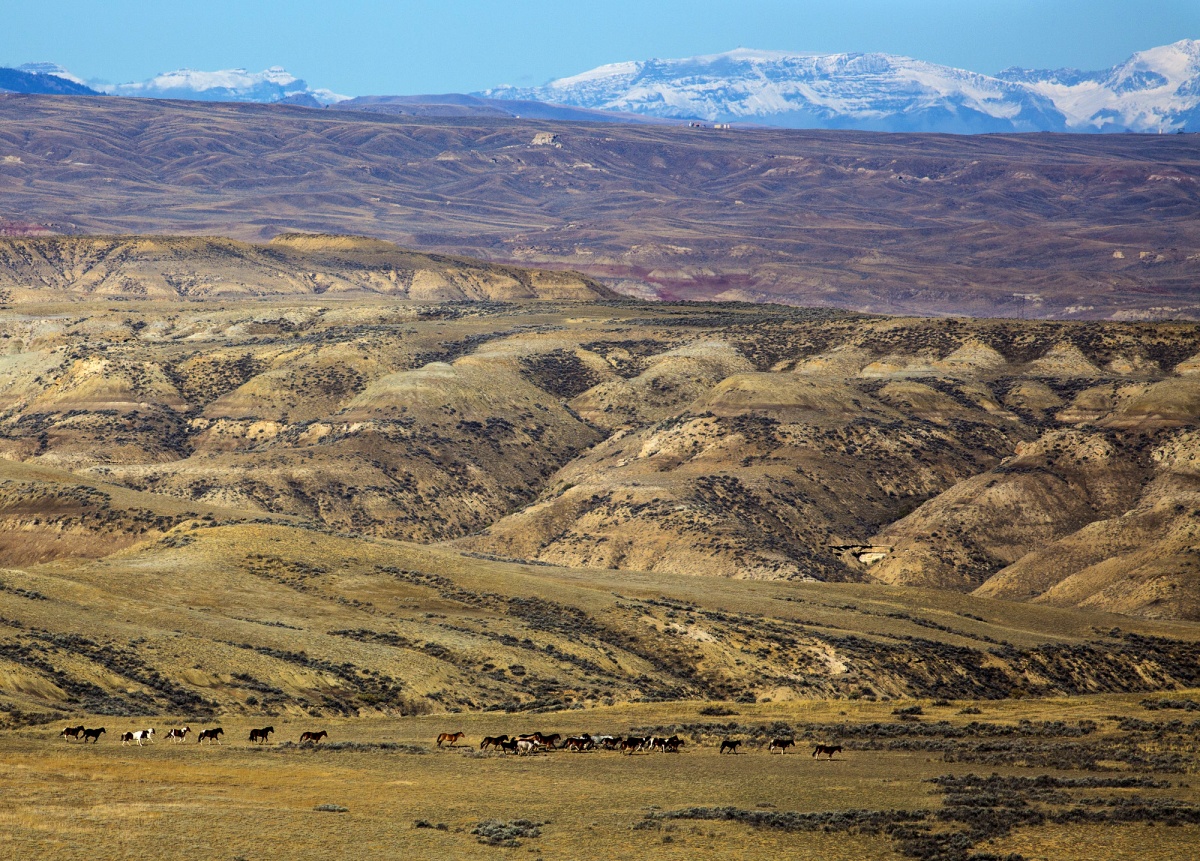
{"x": 52, "y": 69}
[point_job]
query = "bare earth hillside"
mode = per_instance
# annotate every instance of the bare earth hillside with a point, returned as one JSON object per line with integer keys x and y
{"x": 1053, "y": 462}
{"x": 98, "y": 267}
{"x": 1089, "y": 226}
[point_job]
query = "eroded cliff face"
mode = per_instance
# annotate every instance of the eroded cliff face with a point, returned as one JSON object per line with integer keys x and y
{"x": 72, "y": 268}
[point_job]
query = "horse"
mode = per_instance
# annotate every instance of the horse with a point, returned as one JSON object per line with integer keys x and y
{"x": 178, "y": 735}
{"x": 314, "y": 737}
{"x": 608, "y": 742}
{"x": 509, "y": 746}
{"x": 672, "y": 744}
{"x": 633, "y": 744}
{"x": 93, "y": 734}
{"x": 492, "y": 741}
{"x": 73, "y": 732}
{"x": 138, "y": 736}
{"x": 261, "y": 735}
{"x": 210, "y": 735}
{"x": 579, "y": 742}
{"x": 730, "y": 744}
{"x": 526, "y": 746}
{"x": 781, "y": 744}
{"x": 451, "y": 737}
{"x": 827, "y": 749}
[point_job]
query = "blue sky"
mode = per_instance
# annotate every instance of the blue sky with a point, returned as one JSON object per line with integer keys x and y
{"x": 422, "y": 46}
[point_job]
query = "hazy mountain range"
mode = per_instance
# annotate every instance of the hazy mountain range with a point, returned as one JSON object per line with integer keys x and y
{"x": 1157, "y": 90}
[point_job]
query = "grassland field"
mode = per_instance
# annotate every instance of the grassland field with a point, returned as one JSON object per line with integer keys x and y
{"x": 404, "y": 798}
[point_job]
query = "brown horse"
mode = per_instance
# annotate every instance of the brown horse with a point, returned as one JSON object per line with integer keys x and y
{"x": 73, "y": 732}
{"x": 492, "y": 741}
{"x": 93, "y": 734}
{"x": 451, "y": 737}
{"x": 781, "y": 744}
{"x": 261, "y": 735}
{"x": 210, "y": 735}
{"x": 314, "y": 737}
{"x": 730, "y": 744}
{"x": 827, "y": 749}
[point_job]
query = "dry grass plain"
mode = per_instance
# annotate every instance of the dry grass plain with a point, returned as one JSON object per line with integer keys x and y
{"x": 64, "y": 800}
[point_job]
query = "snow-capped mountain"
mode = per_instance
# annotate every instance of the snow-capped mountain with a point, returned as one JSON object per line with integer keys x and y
{"x": 1155, "y": 90}
{"x": 275, "y": 84}
{"x": 51, "y": 69}
{"x": 42, "y": 78}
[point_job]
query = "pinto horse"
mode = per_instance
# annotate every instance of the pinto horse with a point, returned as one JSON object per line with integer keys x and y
{"x": 73, "y": 732}
{"x": 178, "y": 734}
{"x": 827, "y": 749}
{"x": 730, "y": 745}
{"x": 314, "y": 737}
{"x": 633, "y": 744}
{"x": 93, "y": 734}
{"x": 261, "y": 735}
{"x": 138, "y": 736}
{"x": 781, "y": 744}
{"x": 451, "y": 737}
{"x": 210, "y": 735}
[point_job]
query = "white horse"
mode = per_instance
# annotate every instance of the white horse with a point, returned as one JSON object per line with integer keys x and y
{"x": 526, "y": 746}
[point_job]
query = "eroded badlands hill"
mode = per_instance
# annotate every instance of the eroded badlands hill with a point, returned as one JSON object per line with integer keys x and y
{"x": 1037, "y": 461}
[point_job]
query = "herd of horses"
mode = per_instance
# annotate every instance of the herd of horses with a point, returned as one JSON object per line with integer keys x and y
{"x": 179, "y": 734}
{"x": 520, "y": 745}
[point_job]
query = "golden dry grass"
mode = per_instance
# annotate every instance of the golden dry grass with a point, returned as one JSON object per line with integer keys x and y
{"x": 67, "y": 801}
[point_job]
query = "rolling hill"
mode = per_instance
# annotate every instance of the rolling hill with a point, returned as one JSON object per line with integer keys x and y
{"x": 1080, "y": 227}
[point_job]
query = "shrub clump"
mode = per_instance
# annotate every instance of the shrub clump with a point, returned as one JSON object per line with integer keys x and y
{"x": 494, "y": 832}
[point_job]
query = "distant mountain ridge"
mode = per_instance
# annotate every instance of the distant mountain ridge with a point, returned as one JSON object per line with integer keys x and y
{"x": 27, "y": 80}
{"x": 1157, "y": 90}
{"x": 1153, "y": 91}
{"x": 275, "y": 84}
